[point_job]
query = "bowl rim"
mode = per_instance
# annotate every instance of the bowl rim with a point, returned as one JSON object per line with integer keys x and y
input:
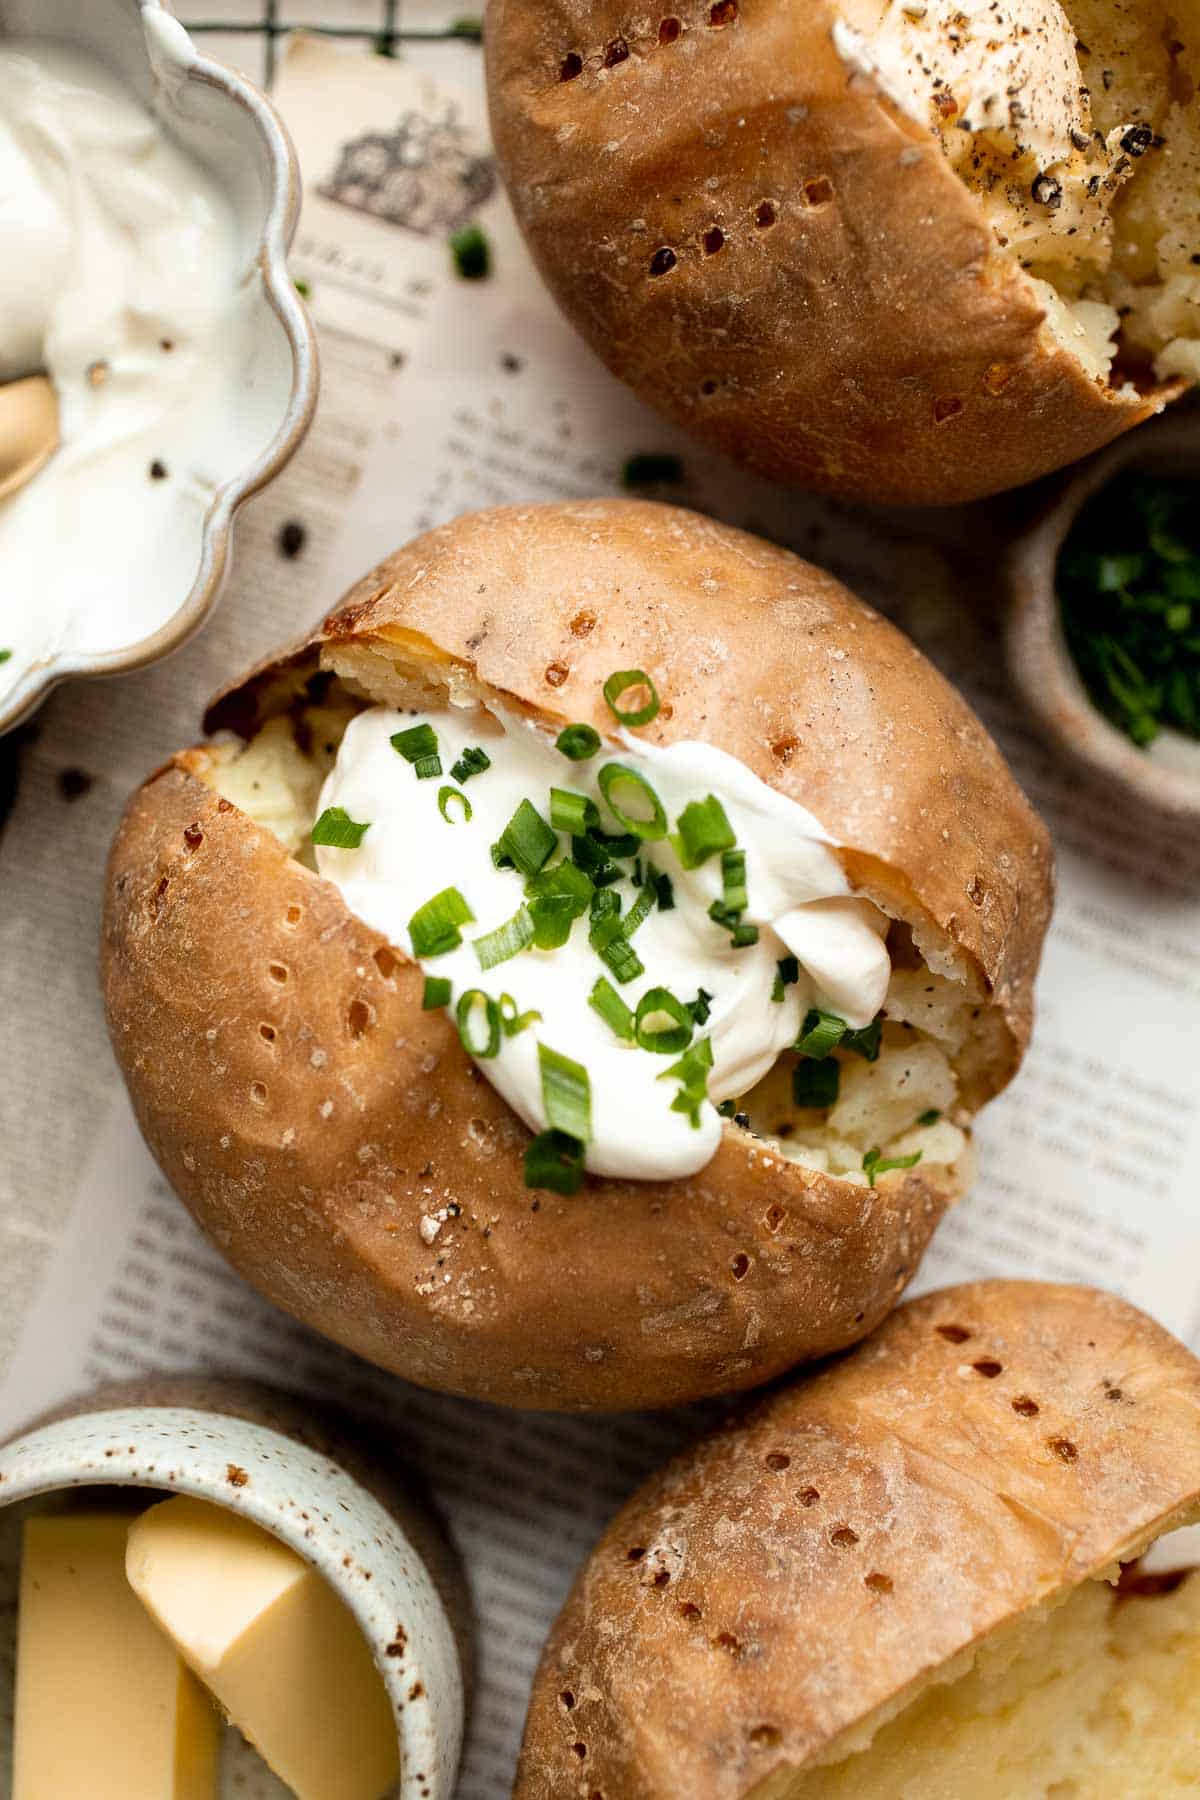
{"x": 61, "y": 1453}
{"x": 274, "y": 238}
{"x": 1040, "y": 663}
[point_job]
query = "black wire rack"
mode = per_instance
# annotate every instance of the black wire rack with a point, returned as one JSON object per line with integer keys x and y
{"x": 387, "y": 36}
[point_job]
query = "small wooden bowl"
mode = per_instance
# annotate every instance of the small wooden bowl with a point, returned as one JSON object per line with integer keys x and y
{"x": 1166, "y": 776}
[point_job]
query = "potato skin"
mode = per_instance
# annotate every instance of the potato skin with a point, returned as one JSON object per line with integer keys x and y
{"x": 823, "y": 1552}
{"x": 857, "y": 330}
{"x": 312, "y": 1116}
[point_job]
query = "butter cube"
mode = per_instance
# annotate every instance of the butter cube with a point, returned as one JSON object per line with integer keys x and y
{"x": 104, "y": 1706}
{"x": 280, "y": 1651}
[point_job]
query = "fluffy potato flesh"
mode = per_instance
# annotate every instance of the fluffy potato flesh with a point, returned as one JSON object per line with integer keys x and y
{"x": 904, "y": 1104}
{"x": 1076, "y": 123}
{"x": 1096, "y": 1700}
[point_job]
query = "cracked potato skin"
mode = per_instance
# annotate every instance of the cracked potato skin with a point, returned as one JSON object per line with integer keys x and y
{"x": 316, "y": 1121}
{"x": 819, "y": 1556}
{"x": 857, "y": 330}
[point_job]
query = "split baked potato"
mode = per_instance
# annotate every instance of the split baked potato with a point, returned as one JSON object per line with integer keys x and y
{"x": 901, "y": 1579}
{"x": 303, "y": 1083}
{"x": 913, "y": 253}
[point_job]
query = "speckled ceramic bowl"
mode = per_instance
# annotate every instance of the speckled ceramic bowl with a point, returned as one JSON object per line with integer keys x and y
{"x": 1165, "y": 777}
{"x": 237, "y": 134}
{"x": 262, "y": 1454}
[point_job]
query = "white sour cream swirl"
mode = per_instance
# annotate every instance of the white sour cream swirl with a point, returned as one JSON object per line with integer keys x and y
{"x": 798, "y": 897}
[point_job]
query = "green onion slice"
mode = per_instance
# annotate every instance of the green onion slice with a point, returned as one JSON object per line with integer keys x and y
{"x": 733, "y": 880}
{"x": 787, "y": 973}
{"x": 701, "y": 830}
{"x": 701, "y": 1006}
{"x": 557, "y": 897}
{"x": 639, "y": 912}
{"x": 578, "y": 742}
{"x": 554, "y": 1161}
{"x": 605, "y": 1000}
{"x": 816, "y": 1083}
{"x": 516, "y": 934}
{"x": 437, "y": 993}
{"x": 527, "y": 841}
{"x": 513, "y": 1021}
{"x": 446, "y": 795}
{"x": 466, "y": 1014}
{"x": 664, "y": 891}
{"x": 336, "y": 827}
{"x": 572, "y": 812}
{"x": 622, "y": 788}
{"x": 875, "y": 1164}
{"x": 865, "y": 1042}
{"x": 566, "y": 1094}
{"x": 418, "y": 746}
{"x": 663, "y": 1025}
{"x": 929, "y": 1118}
{"x": 820, "y": 1033}
{"x": 740, "y": 935}
{"x": 620, "y": 682}
{"x": 586, "y": 852}
{"x": 473, "y": 761}
{"x": 691, "y": 1072}
{"x": 433, "y": 928}
{"x": 607, "y": 937}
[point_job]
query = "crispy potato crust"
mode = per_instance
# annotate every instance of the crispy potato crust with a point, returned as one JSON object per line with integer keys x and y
{"x": 337, "y": 1142}
{"x": 811, "y": 1564}
{"x": 851, "y": 325}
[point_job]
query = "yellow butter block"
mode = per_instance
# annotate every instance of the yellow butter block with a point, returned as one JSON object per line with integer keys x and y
{"x": 105, "y": 1709}
{"x": 278, "y": 1649}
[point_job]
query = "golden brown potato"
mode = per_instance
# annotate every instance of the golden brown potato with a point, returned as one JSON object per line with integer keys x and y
{"x": 336, "y": 1140}
{"x": 888, "y": 1581}
{"x": 908, "y": 253}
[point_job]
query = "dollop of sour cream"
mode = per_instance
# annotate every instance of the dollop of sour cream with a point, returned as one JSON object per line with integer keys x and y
{"x": 798, "y": 897}
{"x": 119, "y": 279}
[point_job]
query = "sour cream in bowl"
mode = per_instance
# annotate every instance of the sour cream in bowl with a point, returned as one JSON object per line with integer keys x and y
{"x": 146, "y": 200}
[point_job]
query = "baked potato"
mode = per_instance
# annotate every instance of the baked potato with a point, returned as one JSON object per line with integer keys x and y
{"x": 911, "y": 253}
{"x": 372, "y": 1109}
{"x": 901, "y": 1579}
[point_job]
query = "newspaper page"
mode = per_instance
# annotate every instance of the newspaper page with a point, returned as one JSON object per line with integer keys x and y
{"x": 442, "y": 394}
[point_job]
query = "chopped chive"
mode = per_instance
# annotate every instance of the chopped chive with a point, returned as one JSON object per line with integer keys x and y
{"x": 816, "y": 1083}
{"x": 607, "y": 937}
{"x": 468, "y": 1004}
{"x": 336, "y": 827}
{"x": 662, "y": 1039}
{"x": 637, "y": 876}
{"x": 586, "y": 852}
{"x": 787, "y": 973}
{"x": 433, "y": 928}
{"x": 616, "y": 779}
{"x": 639, "y": 912}
{"x": 446, "y": 796}
{"x": 820, "y": 1033}
{"x": 5, "y": 655}
{"x": 554, "y": 1161}
{"x": 620, "y": 682}
{"x": 557, "y": 897}
{"x": 573, "y": 813}
{"x": 621, "y": 844}
{"x": 865, "y": 1042}
{"x": 741, "y": 936}
{"x": 733, "y": 880}
{"x": 578, "y": 742}
{"x": 664, "y": 891}
{"x": 471, "y": 253}
{"x": 516, "y": 934}
{"x": 605, "y": 1000}
{"x": 727, "y": 1109}
{"x": 512, "y": 1021}
{"x": 875, "y": 1163}
{"x": 437, "y": 993}
{"x": 691, "y": 1072}
{"x": 473, "y": 761}
{"x": 526, "y": 840}
{"x": 566, "y": 1094}
{"x": 418, "y": 746}
{"x": 929, "y": 1118}
{"x": 701, "y": 1006}
{"x": 701, "y": 830}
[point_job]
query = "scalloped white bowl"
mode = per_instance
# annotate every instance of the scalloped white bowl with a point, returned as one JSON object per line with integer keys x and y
{"x": 235, "y": 132}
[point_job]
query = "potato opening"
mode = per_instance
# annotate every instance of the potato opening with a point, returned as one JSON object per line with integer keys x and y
{"x": 1076, "y": 124}
{"x": 1095, "y": 1699}
{"x": 910, "y": 1100}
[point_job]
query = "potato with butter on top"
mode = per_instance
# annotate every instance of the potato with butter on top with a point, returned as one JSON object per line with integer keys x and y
{"x": 911, "y": 1576}
{"x": 570, "y": 977}
{"x": 912, "y": 253}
